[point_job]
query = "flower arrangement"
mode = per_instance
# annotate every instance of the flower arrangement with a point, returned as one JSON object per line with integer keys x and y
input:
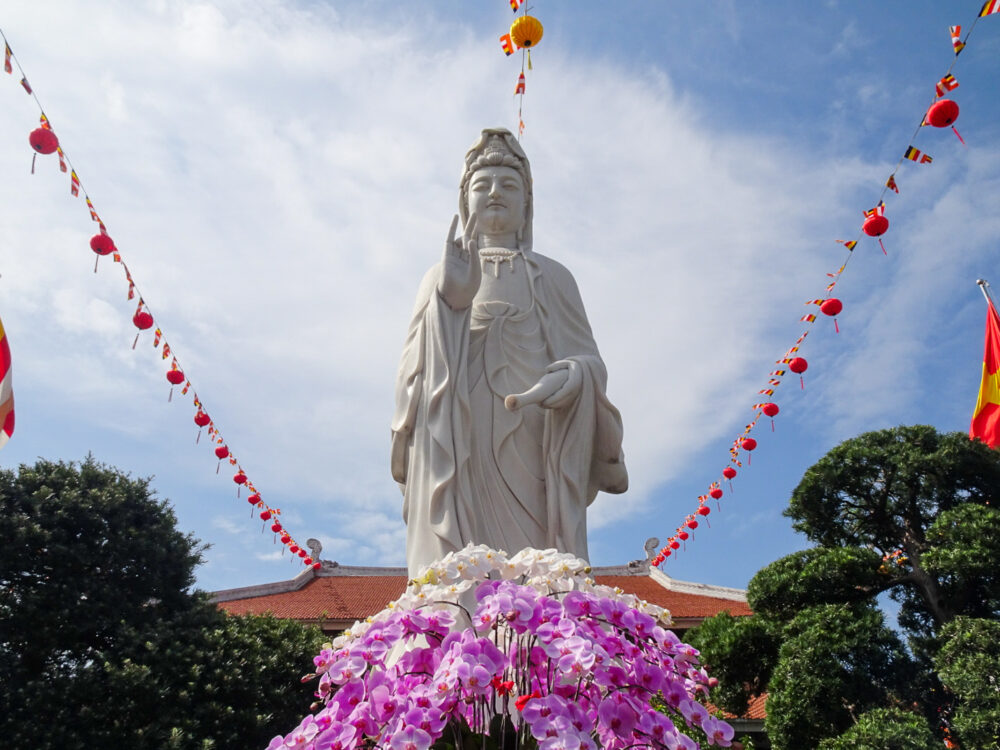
{"x": 483, "y": 650}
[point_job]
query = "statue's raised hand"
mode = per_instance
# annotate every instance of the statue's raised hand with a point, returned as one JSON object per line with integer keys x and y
{"x": 461, "y": 272}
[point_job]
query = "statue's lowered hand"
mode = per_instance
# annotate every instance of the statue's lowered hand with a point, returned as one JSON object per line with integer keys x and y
{"x": 557, "y": 388}
{"x": 461, "y": 272}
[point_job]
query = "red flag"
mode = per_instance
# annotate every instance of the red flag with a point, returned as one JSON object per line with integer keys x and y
{"x": 507, "y": 44}
{"x": 986, "y": 418}
{"x": 989, "y": 8}
{"x": 7, "y": 67}
{"x": 74, "y": 183}
{"x": 891, "y": 183}
{"x": 520, "y": 85}
{"x": 27, "y": 86}
{"x": 6, "y": 391}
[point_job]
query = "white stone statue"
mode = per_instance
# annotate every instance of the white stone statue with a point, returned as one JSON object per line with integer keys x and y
{"x": 496, "y": 322}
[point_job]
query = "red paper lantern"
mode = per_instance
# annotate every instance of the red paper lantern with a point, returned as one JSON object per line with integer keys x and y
{"x": 254, "y": 498}
{"x": 102, "y": 244}
{"x": 316, "y": 566}
{"x": 302, "y": 553}
{"x": 222, "y": 451}
{"x": 308, "y": 561}
{"x": 715, "y": 492}
{"x": 831, "y": 307}
{"x": 666, "y": 553}
{"x": 942, "y": 113}
{"x": 142, "y": 320}
{"x": 729, "y": 472}
{"x": 798, "y": 365}
{"x": 265, "y": 515}
{"x": 240, "y": 477}
{"x": 770, "y": 410}
{"x": 275, "y": 527}
{"x": 285, "y": 539}
{"x": 748, "y": 445}
{"x": 704, "y": 510}
{"x": 875, "y": 226}
{"x": 683, "y": 535}
{"x": 175, "y": 377}
{"x": 201, "y": 418}
{"x": 293, "y": 549}
{"x": 675, "y": 544}
{"x": 43, "y": 140}
{"x": 691, "y": 524}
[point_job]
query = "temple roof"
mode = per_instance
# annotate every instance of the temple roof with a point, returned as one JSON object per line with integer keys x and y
{"x": 338, "y": 595}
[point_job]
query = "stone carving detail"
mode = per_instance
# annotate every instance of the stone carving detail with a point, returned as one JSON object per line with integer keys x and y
{"x": 503, "y": 433}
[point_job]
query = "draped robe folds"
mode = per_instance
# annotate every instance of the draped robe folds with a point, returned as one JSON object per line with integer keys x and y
{"x": 470, "y": 470}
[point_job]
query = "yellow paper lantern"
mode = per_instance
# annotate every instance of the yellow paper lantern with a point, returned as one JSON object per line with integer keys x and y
{"x": 526, "y": 31}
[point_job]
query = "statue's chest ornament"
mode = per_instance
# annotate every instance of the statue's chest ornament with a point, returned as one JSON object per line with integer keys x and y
{"x": 497, "y": 256}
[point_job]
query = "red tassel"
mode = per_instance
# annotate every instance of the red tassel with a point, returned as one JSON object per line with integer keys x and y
{"x": 198, "y": 439}
{"x": 171, "y": 396}
{"x": 730, "y": 482}
{"x": 883, "y": 247}
{"x": 772, "y": 425}
{"x": 835, "y": 326}
{"x": 959, "y": 136}
{"x": 217, "y": 471}
{"x": 802, "y": 383}
{"x": 717, "y": 506}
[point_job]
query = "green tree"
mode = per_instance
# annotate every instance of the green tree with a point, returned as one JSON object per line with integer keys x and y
{"x": 102, "y": 640}
{"x": 906, "y": 511}
{"x": 969, "y": 666}
{"x": 885, "y": 729}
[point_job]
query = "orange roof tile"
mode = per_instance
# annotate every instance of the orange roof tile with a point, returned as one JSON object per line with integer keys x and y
{"x": 755, "y": 709}
{"x": 346, "y": 597}
{"x": 325, "y": 597}
{"x": 680, "y": 604}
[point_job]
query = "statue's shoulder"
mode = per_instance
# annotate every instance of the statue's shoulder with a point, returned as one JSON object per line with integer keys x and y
{"x": 554, "y": 272}
{"x": 550, "y": 266}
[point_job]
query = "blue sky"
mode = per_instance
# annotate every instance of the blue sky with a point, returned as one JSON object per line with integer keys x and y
{"x": 278, "y": 176}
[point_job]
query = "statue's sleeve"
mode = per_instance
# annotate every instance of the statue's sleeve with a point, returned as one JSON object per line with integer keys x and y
{"x": 410, "y": 379}
{"x": 583, "y": 442}
{"x": 430, "y": 428}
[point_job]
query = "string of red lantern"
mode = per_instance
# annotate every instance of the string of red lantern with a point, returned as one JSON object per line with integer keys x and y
{"x": 941, "y": 113}
{"x": 44, "y": 141}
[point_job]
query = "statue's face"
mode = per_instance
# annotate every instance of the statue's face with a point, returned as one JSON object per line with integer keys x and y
{"x": 497, "y": 197}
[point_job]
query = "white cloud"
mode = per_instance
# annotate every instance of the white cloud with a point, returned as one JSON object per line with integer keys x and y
{"x": 278, "y": 177}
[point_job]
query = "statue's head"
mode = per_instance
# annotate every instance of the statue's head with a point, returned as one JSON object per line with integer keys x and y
{"x": 497, "y": 147}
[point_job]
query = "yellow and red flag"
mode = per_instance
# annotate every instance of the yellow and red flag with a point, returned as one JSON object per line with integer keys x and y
{"x": 986, "y": 418}
{"x": 520, "y": 85}
{"x": 956, "y": 41}
{"x": 507, "y": 44}
{"x": 989, "y": 8}
{"x": 6, "y": 391}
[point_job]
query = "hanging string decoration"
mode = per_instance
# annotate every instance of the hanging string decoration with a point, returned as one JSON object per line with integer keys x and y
{"x": 941, "y": 113}
{"x": 524, "y": 34}
{"x": 43, "y": 141}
